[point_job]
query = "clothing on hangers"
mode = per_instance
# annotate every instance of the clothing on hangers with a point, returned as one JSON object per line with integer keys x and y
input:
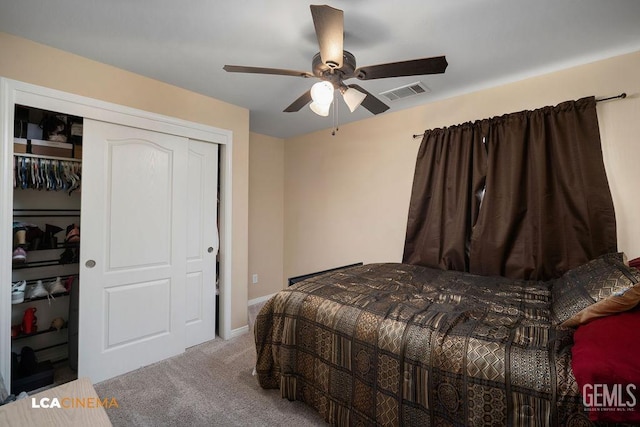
{"x": 46, "y": 174}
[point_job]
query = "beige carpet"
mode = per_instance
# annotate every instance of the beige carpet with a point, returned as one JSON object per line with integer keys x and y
{"x": 209, "y": 385}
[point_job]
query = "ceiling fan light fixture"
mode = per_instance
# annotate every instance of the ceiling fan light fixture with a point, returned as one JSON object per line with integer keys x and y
{"x": 353, "y": 98}
{"x": 332, "y": 65}
{"x": 320, "y": 109}
{"x": 322, "y": 93}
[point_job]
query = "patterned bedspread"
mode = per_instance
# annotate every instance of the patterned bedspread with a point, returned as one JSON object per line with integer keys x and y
{"x": 396, "y": 344}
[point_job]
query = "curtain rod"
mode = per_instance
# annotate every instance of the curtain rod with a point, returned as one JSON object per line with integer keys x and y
{"x": 623, "y": 95}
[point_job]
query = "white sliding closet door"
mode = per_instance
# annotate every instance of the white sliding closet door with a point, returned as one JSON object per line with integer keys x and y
{"x": 133, "y": 254}
{"x": 202, "y": 242}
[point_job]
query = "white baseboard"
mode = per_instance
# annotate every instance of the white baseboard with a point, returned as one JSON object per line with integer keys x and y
{"x": 245, "y": 329}
{"x": 259, "y": 299}
{"x": 239, "y": 331}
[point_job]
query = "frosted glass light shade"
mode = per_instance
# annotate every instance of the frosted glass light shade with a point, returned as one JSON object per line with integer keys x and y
{"x": 320, "y": 109}
{"x": 353, "y": 98}
{"x": 322, "y": 93}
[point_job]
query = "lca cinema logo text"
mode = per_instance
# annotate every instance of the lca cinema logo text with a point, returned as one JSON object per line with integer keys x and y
{"x": 609, "y": 397}
{"x": 73, "y": 403}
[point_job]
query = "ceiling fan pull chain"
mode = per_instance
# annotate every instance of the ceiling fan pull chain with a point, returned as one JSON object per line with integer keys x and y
{"x": 335, "y": 114}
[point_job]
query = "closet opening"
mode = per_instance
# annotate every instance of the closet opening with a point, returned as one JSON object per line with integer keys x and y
{"x": 47, "y": 171}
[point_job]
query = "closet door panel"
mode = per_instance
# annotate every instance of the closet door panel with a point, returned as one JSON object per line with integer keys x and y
{"x": 133, "y": 257}
{"x": 195, "y": 293}
{"x": 202, "y": 242}
{"x": 156, "y": 320}
{"x": 140, "y": 175}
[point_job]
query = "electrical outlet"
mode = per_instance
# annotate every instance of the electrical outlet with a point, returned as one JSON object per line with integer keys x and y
{"x": 254, "y": 279}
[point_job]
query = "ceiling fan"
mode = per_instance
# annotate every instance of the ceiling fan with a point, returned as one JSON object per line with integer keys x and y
{"x": 333, "y": 65}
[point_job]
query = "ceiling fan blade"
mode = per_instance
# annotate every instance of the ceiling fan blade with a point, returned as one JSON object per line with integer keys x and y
{"x": 329, "y": 24}
{"x": 371, "y": 103}
{"x": 299, "y": 103}
{"x": 262, "y": 70}
{"x": 414, "y": 67}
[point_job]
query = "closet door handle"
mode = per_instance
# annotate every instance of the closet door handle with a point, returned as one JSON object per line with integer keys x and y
{"x": 90, "y": 263}
{"x": 210, "y": 249}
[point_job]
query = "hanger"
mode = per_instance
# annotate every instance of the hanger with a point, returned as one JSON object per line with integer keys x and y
{"x": 49, "y": 174}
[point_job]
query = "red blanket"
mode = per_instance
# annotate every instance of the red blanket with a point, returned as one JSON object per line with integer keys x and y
{"x": 606, "y": 364}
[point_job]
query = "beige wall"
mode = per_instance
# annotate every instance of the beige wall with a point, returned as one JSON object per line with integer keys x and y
{"x": 346, "y": 197}
{"x": 266, "y": 215}
{"x": 41, "y": 65}
{"x": 319, "y": 201}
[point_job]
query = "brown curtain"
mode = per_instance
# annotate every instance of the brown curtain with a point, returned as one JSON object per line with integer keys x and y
{"x": 449, "y": 172}
{"x": 547, "y": 206}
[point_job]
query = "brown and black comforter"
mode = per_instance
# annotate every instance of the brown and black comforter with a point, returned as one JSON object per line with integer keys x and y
{"x": 397, "y": 344}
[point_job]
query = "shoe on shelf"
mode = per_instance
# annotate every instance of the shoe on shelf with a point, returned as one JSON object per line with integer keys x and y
{"x": 50, "y": 241}
{"x": 20, "y": 286}
{"x": 28, "y": 362}
{"x": 69, "y": 282}
{"x": 17, "y": 292}
{"x": 19, "y": 233}
{"x": 66, "y": 257}
{"x": 52, "y": 229}
{"x": 38, "y": 290}
{"x": 73, "y": 234}
{"x": 20, "y": 237}
{"x": 17, "y": 297}
{"x": 34, "y": 237}
{"x": 56, "y": 287}
{"x": 19, "y": 255}
{"x": 76, "y": 256}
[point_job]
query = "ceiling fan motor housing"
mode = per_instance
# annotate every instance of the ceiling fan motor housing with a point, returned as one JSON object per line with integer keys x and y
{"x": 331, "y": 74}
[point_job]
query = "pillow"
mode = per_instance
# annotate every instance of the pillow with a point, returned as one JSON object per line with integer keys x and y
{"x": 605, "y": 362}
{"x": 601, "y": 287}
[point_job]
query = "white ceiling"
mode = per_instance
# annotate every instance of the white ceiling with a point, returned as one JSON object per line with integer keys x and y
{"x": 186, "y": 43}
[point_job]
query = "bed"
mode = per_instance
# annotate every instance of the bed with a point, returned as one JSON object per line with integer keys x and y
{"x": 399, "y": 344}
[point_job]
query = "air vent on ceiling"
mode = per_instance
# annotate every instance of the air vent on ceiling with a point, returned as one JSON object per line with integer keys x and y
{"x": 406, "y": 91}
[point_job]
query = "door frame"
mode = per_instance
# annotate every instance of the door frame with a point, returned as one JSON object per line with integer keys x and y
{"x": 15, "y": 92}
